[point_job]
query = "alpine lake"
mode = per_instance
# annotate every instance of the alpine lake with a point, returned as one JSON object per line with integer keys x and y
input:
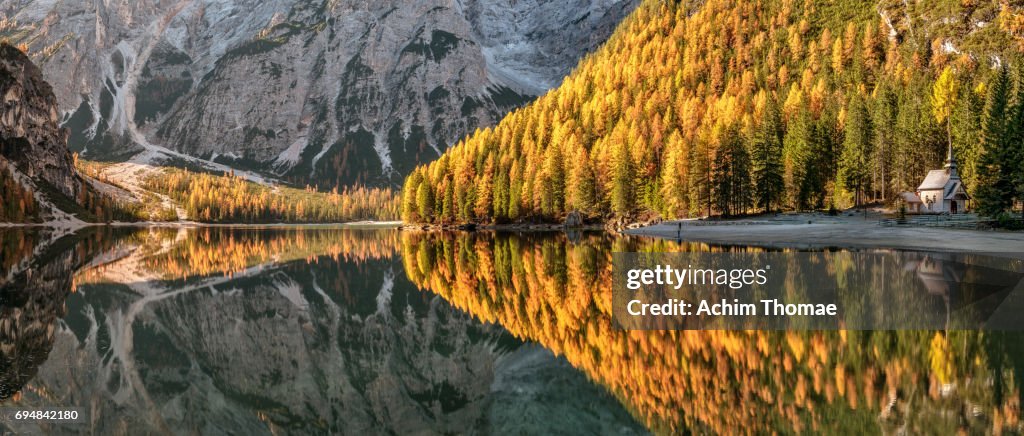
{"x": 336, "y": 330}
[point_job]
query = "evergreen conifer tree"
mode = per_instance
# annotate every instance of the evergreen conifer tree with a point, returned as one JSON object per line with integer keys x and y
{"x": 767, "y": 159}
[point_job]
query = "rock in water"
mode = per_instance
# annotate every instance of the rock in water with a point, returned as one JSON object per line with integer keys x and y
{"x": 30, "y": 134}
{"x": 573, "y": 219}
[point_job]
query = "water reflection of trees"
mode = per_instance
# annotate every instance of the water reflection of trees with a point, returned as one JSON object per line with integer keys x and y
{"x": 286, "y": 331}
{"x": 545, "y": 289}
{"x": 168, "y": 254}
{"x": 15, "y": 247}
{"x": 35, "y": 278}
{"x": 227, "y": 251}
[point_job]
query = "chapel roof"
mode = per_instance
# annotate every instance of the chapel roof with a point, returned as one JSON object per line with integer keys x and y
{"x": 936, "y": 179}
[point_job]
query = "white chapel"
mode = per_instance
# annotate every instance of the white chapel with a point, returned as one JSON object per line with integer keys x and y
{"x": 942, "y": 191}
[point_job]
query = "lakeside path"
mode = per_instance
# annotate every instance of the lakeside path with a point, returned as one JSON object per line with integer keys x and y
{"x": 793, "y": 231}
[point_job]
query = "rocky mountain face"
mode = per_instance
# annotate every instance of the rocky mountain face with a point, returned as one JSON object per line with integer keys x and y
{"x": 331, "y": 92}
{"x": 30, "y": 135}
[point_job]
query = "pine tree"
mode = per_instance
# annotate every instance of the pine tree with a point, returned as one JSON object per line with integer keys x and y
{"x": 448, "y": 202}
{"x": 409, "y": 194}
{"x": 515, "y": 191}
{"x": 1015, "y": 134}
{"x": 700, "y": 179}
{"x": 767, "y": 159}
{"x": 501, "y": 195}
{"x": 913, "y": 154}
{"x": 425, "y": 202}
{"x": 673, "y": 188}
{"x": 553, "y": 187}
{"x": 581, "y": 185}
{"x": 484, "y": 204}
{"x": 883, "y": 122}
{"x": 622, "y": 180}
{"x": 796, "y": 152}
{"x": 731, "y": 176}
{"x": 994, "y": 192}
{"x": 854, "y": 163}
{"x": 815, "y": 161}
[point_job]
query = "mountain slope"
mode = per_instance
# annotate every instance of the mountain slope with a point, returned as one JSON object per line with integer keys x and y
{"x": 33, "y": 150}
{"x": 327, "y": 92}
{"x": 730, "y": 107}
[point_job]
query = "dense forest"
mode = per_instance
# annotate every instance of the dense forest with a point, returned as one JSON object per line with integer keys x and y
{"x": 205, "y": 197}
{"x": 226, "y": 198}
{"x": 720, "y": 107}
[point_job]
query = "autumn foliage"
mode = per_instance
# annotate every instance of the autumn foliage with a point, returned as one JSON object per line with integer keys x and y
{"x": 726, "y": 107}
{"x": 230, "y": 199}
{"x": 544, "y": 289}
{"x": 19, "y": 204}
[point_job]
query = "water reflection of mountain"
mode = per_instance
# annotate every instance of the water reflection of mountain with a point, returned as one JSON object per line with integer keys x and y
{"x": 33, "y": 287}
{"x": 545, "y": 289}
{"x": 258, "y": 331}
{"x": 217, "y": 330}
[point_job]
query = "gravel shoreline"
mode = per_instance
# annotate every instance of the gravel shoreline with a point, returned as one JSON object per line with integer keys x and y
{"x": 809, "y": 231}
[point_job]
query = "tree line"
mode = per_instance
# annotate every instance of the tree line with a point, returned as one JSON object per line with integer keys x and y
{"x": 730, "y": 108}
{"x": 226, "y": 198}
{"x": 19, "y": 203}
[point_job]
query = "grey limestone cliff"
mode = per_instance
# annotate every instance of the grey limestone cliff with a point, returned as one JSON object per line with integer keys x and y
{"x": 331, "y": 92}
{"x": 30, "y": 137}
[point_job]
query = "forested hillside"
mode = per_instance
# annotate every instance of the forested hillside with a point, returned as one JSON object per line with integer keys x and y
{"x": 723, "y": 107}
{"x": 174, "y": 194}
{"x": 225, "y": 198}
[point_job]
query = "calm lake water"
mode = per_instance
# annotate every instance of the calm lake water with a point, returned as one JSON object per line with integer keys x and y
{"x": 318, "y": 331}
